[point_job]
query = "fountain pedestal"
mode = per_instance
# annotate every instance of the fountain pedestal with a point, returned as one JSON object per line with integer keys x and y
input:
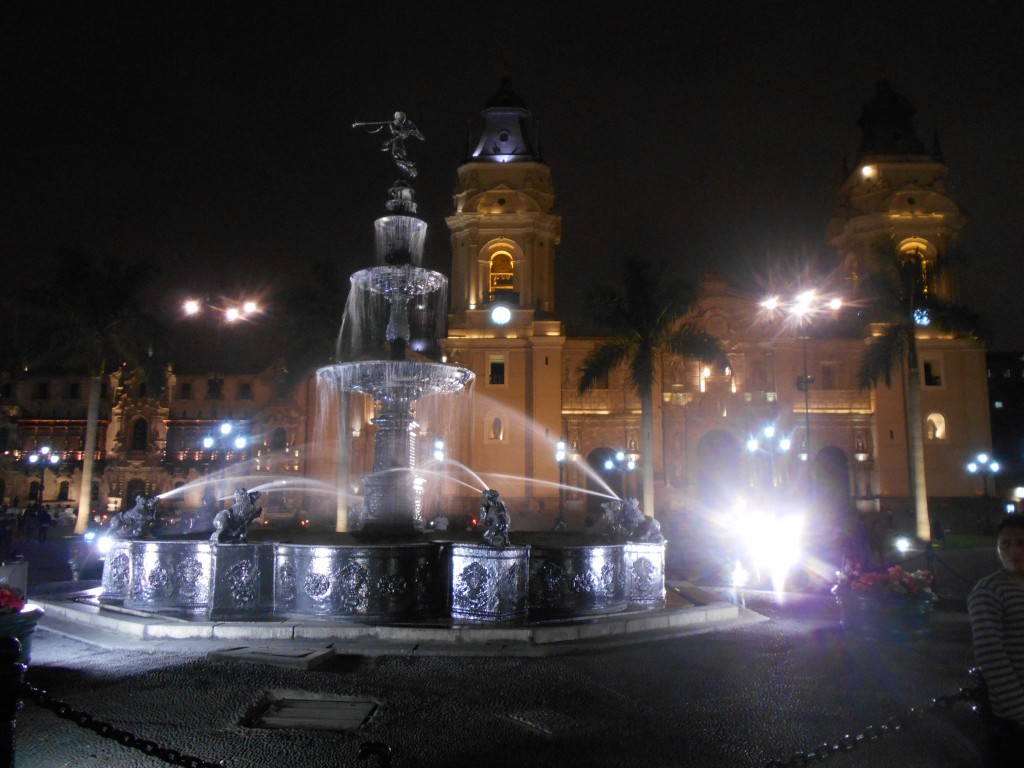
{"x": 644, "y": 566}
{"x": 487, "y": 583}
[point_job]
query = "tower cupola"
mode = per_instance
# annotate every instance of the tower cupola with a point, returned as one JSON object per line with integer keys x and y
{"x": 504, "y": 138}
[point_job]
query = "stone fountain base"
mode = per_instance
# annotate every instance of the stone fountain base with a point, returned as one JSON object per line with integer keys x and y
{"x": 384, "y": 582}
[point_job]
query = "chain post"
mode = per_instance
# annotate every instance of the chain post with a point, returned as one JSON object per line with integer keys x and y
{"x": 12, "y": 672}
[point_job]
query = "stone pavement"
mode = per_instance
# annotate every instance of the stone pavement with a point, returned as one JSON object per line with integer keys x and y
{"x": 778, "y": 676}
{"x": 743, "y": 695}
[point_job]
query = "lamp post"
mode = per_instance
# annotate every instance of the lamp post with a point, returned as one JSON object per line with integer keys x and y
{"x": 560, "y": 456}
{"x": 983, "y": 465}
{"x": 772, "y": 445}
{"x": 42, "y": 457}
{"x": 802, "y": 309}
{"x": 621, "y": 463}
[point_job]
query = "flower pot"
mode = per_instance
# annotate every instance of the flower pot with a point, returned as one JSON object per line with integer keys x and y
{"x": 21, "y": 625}
{"x": 874, "y": 616}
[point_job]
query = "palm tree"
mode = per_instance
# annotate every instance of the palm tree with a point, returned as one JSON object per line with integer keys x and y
{"x": 95, "y": 318}
{"x": 646, "y": 316}
{"x": 901, "y": 297}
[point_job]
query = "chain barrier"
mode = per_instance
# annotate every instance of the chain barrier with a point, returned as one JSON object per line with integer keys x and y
{"x": 63, "y": 710}
{"x": 976, "y": 696}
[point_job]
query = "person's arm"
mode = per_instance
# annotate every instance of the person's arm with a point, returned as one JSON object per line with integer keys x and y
{"x": 1005, "y": 687}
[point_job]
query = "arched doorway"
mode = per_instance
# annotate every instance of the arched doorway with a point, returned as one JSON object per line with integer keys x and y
{"x": 719, "y": 464}
{"x": 831, "y": 484}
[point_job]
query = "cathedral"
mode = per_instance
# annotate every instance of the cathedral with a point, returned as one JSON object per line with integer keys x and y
{"x": 782, "y": 414}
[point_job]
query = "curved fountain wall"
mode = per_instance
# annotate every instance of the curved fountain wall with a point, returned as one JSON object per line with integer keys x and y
{"x": 385, "y": 582}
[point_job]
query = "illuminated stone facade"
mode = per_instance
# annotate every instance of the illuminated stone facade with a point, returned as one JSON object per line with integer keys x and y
{"x": 504, "y": 233}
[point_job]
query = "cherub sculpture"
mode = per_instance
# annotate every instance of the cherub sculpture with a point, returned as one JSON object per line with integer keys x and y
{"x": 626, "y": 522}
{"x": 139, "y": 522}
{"x": 231, "y": 526}
{"x": 495, "y": 518}
{"x": 401, "y": 128}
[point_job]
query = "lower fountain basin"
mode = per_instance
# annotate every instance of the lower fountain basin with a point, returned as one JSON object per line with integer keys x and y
{"x": 361, "y": 581}
{"x": 386, "y": 581}
{"x": 569, "y": 580}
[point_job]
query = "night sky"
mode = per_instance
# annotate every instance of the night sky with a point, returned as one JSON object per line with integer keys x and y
{"x": 217, "y": 141}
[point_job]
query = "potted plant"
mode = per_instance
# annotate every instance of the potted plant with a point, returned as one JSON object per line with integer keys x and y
{"x": 18, "y": 619}
{"x": 890, "y": 602}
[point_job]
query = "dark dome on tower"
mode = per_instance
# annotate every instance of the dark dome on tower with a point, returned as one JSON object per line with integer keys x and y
{"x": 887, "y": 124}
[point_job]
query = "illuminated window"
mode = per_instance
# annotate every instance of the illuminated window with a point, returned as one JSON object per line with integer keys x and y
{"x": 935, "y": 426}
{"x": 502, "y": 273}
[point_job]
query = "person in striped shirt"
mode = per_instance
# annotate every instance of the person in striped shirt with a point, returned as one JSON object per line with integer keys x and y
{"x": 996, "y": 605}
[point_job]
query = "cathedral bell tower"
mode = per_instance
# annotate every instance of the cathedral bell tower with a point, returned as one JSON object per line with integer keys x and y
{"x": 895, "y": 200}
{"x": 502, "y": 322}
{"x": 503, "y": 230}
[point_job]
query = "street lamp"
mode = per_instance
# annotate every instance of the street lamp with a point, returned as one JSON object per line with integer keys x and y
{"x": 232, "y": 311}
{"x": 802, "y": 310}
{"x": 621, "y": 463}
{"x": 42, "y": 457}
{"x": 983, "y": 465}
{"x": 772, "y": 445}
{"x": 225, "y": 439}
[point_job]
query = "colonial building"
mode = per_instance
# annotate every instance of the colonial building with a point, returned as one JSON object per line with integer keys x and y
{"x": 784, "y": 411}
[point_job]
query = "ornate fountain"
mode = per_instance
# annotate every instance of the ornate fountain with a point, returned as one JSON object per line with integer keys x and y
{"x": 390, "y": 570}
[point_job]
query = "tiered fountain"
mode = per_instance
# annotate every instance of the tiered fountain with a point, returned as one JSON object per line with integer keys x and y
{"x": 391, "y": 570}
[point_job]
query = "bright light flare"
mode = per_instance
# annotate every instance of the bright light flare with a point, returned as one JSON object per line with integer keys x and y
{"x": 774, "y": 542}
{"x": 903, "y": 544}
{"x": 104, "y": 544}
{"x": 191, "y": 307}
{"x": 233, "y": 314}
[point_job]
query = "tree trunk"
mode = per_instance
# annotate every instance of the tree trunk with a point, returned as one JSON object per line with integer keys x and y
{"x": 647, "y": 441}
{"x": 915, "y": 435}
{"x": 91, "y": 430}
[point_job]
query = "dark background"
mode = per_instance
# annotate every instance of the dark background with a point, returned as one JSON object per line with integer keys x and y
{"x": 214, "y": 138}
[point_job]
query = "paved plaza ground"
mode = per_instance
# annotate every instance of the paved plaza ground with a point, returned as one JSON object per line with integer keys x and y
{"x": 742, "y": 695}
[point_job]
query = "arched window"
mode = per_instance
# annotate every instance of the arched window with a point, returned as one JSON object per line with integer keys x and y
{"x": 502, "y": 273}
{"x": 935, "y": 426}
{"x": 140, "y": 434}
{"x": 495, "y": 430}
{"x": 63, "y": 491}
{"x": 278, "y": 439}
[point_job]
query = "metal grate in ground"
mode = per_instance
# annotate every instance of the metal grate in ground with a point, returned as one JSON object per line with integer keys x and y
{"x": 309, "y": 711}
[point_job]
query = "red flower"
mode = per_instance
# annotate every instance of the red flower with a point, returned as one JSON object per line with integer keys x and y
{"x": 11, "y": 600}
{"x": 895, "y": 583}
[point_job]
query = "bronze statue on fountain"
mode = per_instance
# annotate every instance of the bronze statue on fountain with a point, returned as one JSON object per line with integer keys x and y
{"x": 231, "y": 526}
